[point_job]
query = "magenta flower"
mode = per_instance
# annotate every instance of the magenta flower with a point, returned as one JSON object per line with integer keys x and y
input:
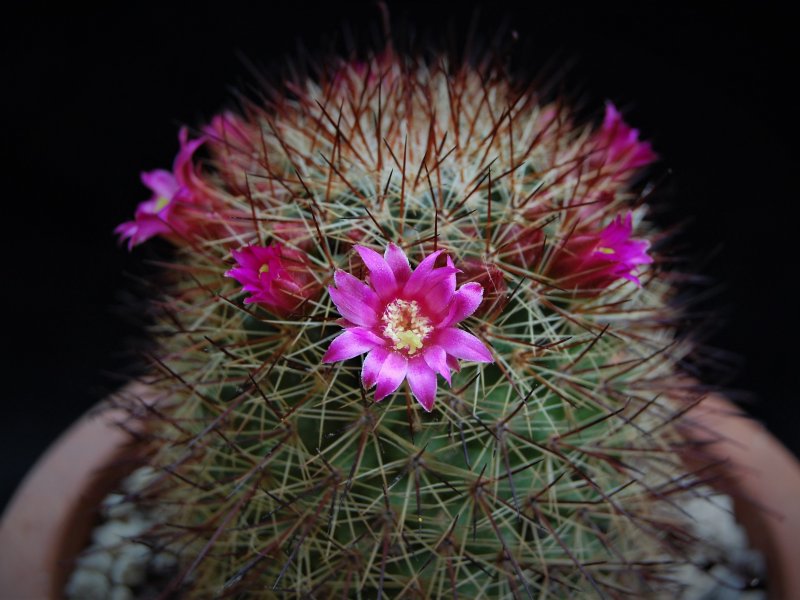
{"x": 617, "y": 145}
{"x": 165, "y": 213}
{"x": 406, "y": 321}
{"x": 595, "y": 260}
{"x": 277, "y": 277}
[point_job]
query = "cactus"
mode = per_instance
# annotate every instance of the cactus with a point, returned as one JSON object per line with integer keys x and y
{"x": 479, "y": 255}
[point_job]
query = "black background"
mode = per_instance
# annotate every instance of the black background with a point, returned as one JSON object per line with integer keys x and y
{"x": 92, "y": 97}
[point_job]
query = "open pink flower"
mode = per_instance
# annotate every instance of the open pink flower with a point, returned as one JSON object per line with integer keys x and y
{"x": 152, "y": 215}
{"x": 595, "y": 260}
{"x": 165, "y": 213}
{"x": 406, "y": 321}
{"x": 276, "y": 277}
{"x": 618, "y": 148}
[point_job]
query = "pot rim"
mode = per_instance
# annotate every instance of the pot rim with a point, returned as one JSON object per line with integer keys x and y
{"x": 761, "y": 476}
{"x": 49, "y": 519}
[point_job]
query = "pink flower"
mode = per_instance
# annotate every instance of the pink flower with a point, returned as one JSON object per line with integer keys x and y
{"x": 277, "y": 277}
{"x": 406, "y": 322}
{"x": 595, "y": 260}
{"x": 618, "y": 148}
{"x": 165, "y": 213}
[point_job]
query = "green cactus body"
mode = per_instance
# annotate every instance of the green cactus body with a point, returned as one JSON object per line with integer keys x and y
{"x": 551, "y": 472}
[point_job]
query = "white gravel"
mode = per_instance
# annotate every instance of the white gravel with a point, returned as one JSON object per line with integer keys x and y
{"x": 117, "y": 564}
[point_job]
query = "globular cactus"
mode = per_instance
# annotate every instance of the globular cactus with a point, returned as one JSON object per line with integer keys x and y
{"x": 445, "y": 234}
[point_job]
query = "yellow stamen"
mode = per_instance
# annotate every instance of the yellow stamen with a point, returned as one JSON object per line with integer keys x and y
{"x": 406, "y": 326}
{"x": 161, "y": 203}
{"x": 604, "y": 250}
{"x": 263, "y": 268}
{"x": 408, "y": 339}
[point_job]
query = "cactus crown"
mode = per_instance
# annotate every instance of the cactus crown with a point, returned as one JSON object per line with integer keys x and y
{"x": 545, "y": 465}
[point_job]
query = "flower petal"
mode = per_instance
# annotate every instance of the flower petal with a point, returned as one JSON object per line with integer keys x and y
{"x": 422, "y": 381}
{"x": 619, "y": 143}
{"x": 436, "y": 358}
{"x": 162, "y": 183}
{"x": 381, "y": 275}
{"x": 356, "y": 288}
{"x": 392, "y": 373}
{"x": 372, "y": 366}
{"x": 182, "y": 166}
{"x": 398, "y": 262}
{"x": 352, "y": 308}
{"x": 351, "y": 342}
{"x": 419, "y": 278}
{"x": 440, "y": 287}
{"x": 465, "y": 302}
{"x": 596, "y": 259}
{"x": 462, "y": 344}
{"x": 452, "y": 362}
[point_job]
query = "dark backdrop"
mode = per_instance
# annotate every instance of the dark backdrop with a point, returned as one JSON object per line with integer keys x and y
{"x": 93, "y": 97}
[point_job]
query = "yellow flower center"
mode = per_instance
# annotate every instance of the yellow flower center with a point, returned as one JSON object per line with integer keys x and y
{"x": 405, "y": 325}
{"x": 263, "y": 268}
{"x": 604, "y": 250}
{"x": 161, "y": 203}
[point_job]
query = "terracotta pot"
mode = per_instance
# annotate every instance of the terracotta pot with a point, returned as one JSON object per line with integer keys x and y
{"x": 763, "y": 478}
{"x": 51, "y": 515}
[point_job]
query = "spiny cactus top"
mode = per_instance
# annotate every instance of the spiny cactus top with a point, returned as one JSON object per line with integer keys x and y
{"x": 399, "y": 220}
